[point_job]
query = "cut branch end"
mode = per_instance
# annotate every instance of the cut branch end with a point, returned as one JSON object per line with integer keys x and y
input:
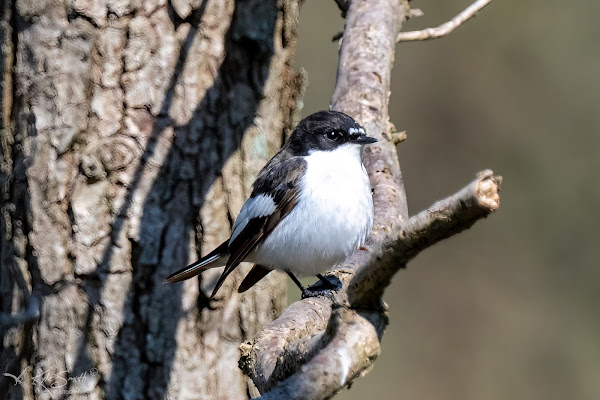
{"x": 488, "y": 189}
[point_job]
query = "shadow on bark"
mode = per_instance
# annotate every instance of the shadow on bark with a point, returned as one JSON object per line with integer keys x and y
{"x": 145, "y": 346}
{"x": 11, "y": 276}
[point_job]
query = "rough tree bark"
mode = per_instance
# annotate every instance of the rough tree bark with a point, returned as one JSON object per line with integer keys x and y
{"x": 131, "y": 132}
{"x": 130, "y": 138}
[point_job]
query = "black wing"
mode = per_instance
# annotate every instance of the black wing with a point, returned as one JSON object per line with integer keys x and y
{"x": 275, "y": 194}
{"x": 256, "y": 274}
{"x": 211, "y": 260}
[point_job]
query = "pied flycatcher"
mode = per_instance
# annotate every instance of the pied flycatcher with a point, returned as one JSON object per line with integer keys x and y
{"x": 311, "y": 207}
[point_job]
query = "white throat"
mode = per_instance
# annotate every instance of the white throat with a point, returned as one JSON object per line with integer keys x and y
{"x": 345, "y": 155}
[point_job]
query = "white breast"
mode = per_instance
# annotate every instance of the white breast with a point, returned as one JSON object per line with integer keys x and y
{"x": 333, "y": 216}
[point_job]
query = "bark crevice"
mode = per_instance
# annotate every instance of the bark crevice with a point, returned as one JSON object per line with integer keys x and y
{"x": 170, "y": 107}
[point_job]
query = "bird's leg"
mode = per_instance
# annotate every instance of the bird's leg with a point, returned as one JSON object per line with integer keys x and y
{"x": 314, "y": 292}
{"x": 305, "y": 293}
{"x": 326, "y": 282}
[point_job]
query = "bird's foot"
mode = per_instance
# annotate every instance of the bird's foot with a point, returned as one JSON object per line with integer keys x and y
{"x": 324, "y": 287}
{"x": 307, "y": 292}
{"x": 330, "y": 282}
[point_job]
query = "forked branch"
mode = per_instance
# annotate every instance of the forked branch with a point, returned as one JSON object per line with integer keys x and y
{"x": 337, "y": 339}
{"x": 320, "y": 345}
{"x": 445, "y": 28}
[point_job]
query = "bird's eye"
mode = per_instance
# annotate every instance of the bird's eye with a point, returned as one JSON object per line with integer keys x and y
{"x": 333, "y": 135}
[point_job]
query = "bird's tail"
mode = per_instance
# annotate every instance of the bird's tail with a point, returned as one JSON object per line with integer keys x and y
{"x": 218, "y": 257}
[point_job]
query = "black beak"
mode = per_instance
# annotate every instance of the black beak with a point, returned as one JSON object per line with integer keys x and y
{"x": 364, "y": 139}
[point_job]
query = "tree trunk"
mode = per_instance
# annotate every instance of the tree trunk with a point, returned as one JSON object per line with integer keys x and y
{"x": 130, "y": 139}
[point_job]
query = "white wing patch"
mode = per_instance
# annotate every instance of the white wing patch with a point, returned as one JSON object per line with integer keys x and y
{"x": 255, "y": 207}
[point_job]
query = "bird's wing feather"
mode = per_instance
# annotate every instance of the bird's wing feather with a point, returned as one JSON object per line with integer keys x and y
{"x": 275, "y": 194}
{"x": 214, "y": 259}
{"x": 256, "y": 274}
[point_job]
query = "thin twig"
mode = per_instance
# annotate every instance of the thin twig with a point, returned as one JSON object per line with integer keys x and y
{"x": 414, "y": 13}
{"x": 446, "y": 28}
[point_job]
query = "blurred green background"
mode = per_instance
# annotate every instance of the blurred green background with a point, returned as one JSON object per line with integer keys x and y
{"x": 508, "y": 309}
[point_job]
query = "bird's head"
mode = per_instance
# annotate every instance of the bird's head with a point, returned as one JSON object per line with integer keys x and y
{"x": 327, "y": 131}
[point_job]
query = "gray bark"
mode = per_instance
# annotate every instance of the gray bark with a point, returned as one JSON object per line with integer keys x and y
{"x": 135, "y": 134}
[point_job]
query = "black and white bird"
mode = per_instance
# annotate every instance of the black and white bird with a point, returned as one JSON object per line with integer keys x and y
{"x": 311, "y": 206}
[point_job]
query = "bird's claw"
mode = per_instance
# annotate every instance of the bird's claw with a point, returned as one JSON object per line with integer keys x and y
{"x": 326, "y": 286}
{"x": 318, "y": 293}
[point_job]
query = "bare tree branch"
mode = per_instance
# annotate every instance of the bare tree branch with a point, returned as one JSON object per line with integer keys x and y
{"x": 320, "y": 345}
{"x": 443, "y": 219}
{"x": 282, "y": 347}
{"x": 446, "y": 28}
{"x": 341, "y": 334}
{"x": 452, "y": 215}
{"x": 348, "y": 354}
